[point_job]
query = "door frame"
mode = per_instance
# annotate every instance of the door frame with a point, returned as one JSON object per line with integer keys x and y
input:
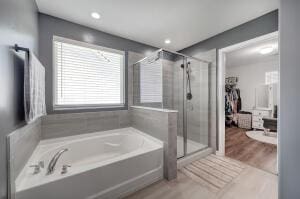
{"x": 221, "y": 72}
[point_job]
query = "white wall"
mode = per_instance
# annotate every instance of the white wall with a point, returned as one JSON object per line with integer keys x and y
{"x": 250, "y": 77}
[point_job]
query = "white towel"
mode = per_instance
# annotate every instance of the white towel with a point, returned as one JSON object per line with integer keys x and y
{"x": 34, "y": 88}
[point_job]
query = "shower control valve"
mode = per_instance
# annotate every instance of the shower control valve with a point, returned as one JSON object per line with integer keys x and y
{"x": 36, "y": 167}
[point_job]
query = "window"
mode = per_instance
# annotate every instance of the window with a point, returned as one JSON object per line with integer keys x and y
{"x": 271, "y": 77}
{"x": 87, "y": 76}
{"x": 151, "y": 81}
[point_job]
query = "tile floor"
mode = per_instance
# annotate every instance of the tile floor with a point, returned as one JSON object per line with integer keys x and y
{"x": 251, "y": 183}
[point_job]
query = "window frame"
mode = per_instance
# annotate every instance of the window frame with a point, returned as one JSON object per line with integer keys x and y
{"x": 271, "y": 73}
{"x": 57, "y": 106}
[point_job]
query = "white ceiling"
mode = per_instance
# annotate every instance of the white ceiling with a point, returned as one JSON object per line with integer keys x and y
{"x": 184, "y": 22}
{"x": 251, "y": 54}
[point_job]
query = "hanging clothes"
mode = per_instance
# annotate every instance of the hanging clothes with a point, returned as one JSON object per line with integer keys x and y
{"x": 239, "y": 103}
{"x": 233, "y": 104}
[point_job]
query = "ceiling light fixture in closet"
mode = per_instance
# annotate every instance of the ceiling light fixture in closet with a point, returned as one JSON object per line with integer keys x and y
{"x": 266, "y": 50}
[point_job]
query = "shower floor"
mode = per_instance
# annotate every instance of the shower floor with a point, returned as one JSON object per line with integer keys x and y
{"x": 192, "y": 146}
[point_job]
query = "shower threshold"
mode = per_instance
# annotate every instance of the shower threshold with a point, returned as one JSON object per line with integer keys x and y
{"x": 192, "y": 146}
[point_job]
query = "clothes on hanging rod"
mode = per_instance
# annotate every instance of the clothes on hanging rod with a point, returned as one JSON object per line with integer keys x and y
{"x": 233, "y": 103}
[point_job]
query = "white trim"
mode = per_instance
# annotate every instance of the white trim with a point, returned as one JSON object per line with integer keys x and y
{"x": 55, "y": 106}
{"x": 221, "y": 85}
{"x": 87, "y": 45}
{"x": 155, "y": 109}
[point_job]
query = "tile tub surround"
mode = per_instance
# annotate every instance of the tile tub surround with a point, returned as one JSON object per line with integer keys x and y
{"x": 20, "y": 144}
{"x": 61, "y": 125}
{"x": 161, "y": 124}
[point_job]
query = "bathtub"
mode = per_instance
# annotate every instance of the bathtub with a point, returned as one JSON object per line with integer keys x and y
{"x": 107, "y": 164}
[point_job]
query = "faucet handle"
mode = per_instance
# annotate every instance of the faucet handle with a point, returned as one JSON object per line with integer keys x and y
{"x": 36, "y": 167}
{"x": 65, "y": 169}
{"x": 41, "y": 164}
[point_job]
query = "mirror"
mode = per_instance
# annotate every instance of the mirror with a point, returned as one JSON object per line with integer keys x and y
{"x": 262, "y": 97}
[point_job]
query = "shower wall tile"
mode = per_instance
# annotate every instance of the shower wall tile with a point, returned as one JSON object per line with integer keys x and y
{"x": 172, "y": 146}
{"x": 161, "y": 125}
{"x": 152, "y": 122}
{"x": 21, "y": 144}
{"x": 60, "y": 125}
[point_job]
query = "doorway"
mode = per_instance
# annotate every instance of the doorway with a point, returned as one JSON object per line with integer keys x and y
{"x": 248, "y": 101}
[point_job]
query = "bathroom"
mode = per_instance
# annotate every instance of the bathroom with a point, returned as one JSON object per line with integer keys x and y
{"x": 115, "y": 99}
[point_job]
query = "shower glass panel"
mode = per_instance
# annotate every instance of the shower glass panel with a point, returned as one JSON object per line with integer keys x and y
{"x": 197, "y": 105}
{"x": 173, "y": 92}
{"x": 148, "y": 82}
{"x": 174, "y": 81}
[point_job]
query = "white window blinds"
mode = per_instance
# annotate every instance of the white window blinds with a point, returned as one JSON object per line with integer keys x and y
{"x": 87, "y": 75}
{"x": 151, "y": 81}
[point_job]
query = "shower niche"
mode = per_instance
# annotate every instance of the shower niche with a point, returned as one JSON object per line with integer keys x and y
{"x": 168, "y": 80}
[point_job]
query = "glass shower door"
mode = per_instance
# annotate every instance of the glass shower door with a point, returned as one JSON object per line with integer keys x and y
{"x": 178, "y": 101}
{"x": 173, "y": 81}
{"x": 196, "y": 106}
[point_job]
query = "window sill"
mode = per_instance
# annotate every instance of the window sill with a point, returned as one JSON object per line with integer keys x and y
{"x": 88, "y": 108}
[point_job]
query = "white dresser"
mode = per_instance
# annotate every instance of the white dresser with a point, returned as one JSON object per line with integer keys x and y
{"x": 257, "y": 115}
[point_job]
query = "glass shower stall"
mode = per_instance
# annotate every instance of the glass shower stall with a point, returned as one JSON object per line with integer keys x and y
{"x": 169, "y": 80}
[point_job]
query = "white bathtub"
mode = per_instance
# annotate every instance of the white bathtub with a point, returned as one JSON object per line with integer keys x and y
{"x": 108, "y": 164}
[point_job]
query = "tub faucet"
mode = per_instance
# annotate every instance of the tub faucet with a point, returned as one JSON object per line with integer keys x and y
{"x": 53, "y": 161}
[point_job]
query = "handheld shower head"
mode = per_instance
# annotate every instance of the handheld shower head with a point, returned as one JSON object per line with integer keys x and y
{"x": 189, "y": 95}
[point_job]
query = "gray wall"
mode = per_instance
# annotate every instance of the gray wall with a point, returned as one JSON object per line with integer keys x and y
{"x": 260, "y": 26}
{"x": 289, "y": 137}
{"x": 18, "y": 24}
{"x": 49, "y": 26}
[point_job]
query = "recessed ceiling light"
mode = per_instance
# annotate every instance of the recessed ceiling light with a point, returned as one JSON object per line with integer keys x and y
{"x": 266, "y": 50}
{"x": 95, "y": 15}
{"x": 167, "y": 41}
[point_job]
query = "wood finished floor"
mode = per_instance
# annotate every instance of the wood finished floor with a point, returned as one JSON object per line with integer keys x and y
{"x": 257, "y": 154}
